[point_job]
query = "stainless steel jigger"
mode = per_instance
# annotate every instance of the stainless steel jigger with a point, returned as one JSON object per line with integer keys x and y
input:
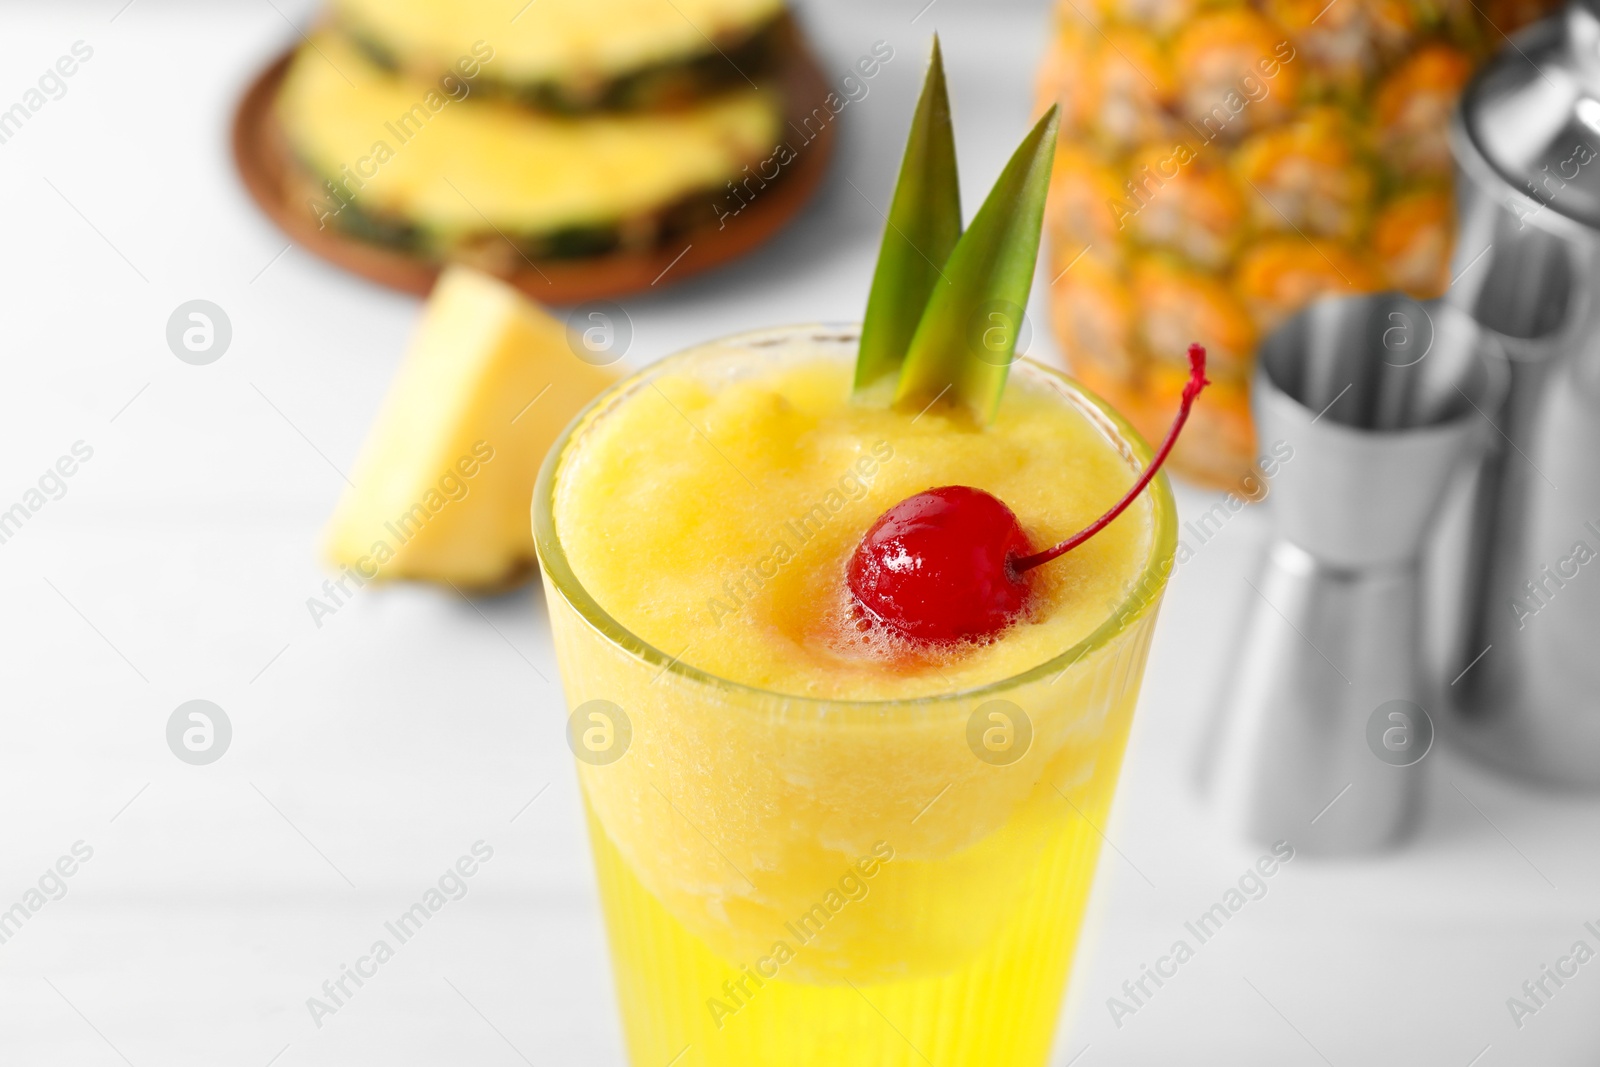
{"x": 1320, "y": 729}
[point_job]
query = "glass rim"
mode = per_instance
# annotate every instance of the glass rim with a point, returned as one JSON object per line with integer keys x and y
{"x": 1145, "y": 590}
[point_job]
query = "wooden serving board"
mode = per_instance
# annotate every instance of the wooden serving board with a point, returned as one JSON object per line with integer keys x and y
{"x": 261, "y": 153}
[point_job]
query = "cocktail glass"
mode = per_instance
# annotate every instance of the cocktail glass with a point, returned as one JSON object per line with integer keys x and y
{"x": 804, "y": 882}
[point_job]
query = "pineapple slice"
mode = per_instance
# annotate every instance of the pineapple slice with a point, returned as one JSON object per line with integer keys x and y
{"x": 391, "y": 160}
{"x": 577, "y": 55}
{"x": 445, "y": 481}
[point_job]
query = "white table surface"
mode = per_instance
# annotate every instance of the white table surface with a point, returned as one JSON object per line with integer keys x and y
{"x": 370, "y": 753}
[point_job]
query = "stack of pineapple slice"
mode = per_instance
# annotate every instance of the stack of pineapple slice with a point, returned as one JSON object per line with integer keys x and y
{"x": 1224, "y": 162}
{"x": 503, "y": 132}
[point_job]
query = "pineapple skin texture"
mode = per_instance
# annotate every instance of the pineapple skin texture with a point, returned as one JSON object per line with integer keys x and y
{"x": 444, "y": 485}
{"x": 1223, "y": 163}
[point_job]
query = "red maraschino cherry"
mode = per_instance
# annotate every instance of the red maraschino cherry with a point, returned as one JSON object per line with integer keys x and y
{"x": 935, "y": 566}
{"x": 951, "y": 564}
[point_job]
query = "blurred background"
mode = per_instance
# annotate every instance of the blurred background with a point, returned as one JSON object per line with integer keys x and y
{"x": 371, "y": 749}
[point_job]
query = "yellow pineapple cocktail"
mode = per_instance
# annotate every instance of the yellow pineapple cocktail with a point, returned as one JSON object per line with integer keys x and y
{"x": 812, "y": 851}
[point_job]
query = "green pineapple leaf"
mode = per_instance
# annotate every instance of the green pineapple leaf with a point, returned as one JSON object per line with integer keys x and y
{"x": 924, "y": 225}
{"x": 967, "y": 337}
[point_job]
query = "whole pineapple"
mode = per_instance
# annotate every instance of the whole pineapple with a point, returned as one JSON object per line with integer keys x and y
{"x": 1224, "y": 162}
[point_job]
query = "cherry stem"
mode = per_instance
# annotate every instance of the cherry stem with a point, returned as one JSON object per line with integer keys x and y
{"x": 1197, "y": 381}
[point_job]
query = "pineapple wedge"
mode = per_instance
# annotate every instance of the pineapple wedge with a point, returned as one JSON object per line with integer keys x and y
{"x": 444, "y": 483}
